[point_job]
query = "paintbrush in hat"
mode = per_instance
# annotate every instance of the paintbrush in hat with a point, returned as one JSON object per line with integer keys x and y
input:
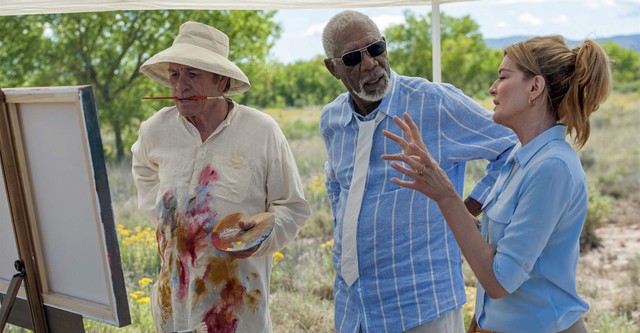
{"x": 187, "y": 98}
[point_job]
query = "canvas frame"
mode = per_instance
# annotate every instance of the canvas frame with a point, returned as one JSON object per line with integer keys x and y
{"x": 74, "y": 235}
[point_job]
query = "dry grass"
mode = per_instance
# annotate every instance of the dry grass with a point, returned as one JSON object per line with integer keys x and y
{"x": 301, "y": 298}
{"x": 608, "y": 278}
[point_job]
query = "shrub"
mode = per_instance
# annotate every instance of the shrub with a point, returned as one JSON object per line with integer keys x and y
{"x": 600, "y": 207}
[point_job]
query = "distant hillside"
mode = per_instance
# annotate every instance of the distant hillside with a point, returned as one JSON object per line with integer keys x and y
{"x": 631, "y": 42}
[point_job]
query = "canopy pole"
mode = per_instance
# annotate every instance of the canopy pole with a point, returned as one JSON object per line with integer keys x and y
{"x": 435, "y": 41}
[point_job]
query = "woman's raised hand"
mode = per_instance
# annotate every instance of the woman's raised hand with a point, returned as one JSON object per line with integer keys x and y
{"x": 427, "y": 176}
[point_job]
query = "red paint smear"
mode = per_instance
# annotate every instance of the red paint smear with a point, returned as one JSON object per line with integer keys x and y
{"x": 207, "y": 176}
{"x": 196, "y": 223}
{"x": 190, "y": 239}
{"x": 183, "y": 277}
{"x": 195, "y": 237}
{"x": 221, "y": 318}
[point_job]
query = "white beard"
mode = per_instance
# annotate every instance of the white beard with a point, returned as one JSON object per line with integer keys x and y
{"x": 377, "y": 94}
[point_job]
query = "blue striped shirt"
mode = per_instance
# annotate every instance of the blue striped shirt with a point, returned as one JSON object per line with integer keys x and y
{"x": 409, "y": 262}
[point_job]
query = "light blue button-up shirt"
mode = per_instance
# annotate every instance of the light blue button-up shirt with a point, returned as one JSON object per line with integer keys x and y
{"x": 409, "y": 262}
{"x": 533, "y": 218}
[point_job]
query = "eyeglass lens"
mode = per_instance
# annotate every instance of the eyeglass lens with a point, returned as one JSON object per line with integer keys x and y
{"x": 355, "y": 57}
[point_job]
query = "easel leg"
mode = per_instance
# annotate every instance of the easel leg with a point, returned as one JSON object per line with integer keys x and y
{"x": 10, "y": 298}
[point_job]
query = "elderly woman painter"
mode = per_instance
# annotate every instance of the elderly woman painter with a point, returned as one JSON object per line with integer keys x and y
{"x": 202, "y": 159}
{"x": 526, "y": 250}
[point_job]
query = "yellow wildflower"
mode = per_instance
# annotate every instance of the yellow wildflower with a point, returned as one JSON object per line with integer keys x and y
{"x": 144, "y": 281}
{"x": 144, "y": 300}
{"x": 277, "y": 257}
{"x": 327, "y": 244}
{"x": 136, "y": 294}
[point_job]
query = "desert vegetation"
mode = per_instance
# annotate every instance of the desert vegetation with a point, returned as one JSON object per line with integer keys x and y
{"x": 302, "y": 279}
{"x": 78, "y": 53}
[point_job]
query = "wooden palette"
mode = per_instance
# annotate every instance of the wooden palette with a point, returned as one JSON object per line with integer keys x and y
{"x": 229, "y": 237}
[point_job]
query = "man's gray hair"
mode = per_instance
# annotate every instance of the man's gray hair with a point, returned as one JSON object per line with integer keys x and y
{"x": 340, "y": 22}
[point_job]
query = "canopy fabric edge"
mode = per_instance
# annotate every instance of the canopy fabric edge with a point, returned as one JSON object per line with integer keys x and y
{"x": 33, "y": 7}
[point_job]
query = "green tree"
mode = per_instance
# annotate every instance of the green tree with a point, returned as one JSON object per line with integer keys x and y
{"x": 313, "y": 83}
{"x": 467, "y": 63}
{"x": 265, "y": 82}
{"x": 21, "y": 49}
{"x": 299, "y": 84}
{"x": 105, "y": 50}
{"x": 625, "y": 64}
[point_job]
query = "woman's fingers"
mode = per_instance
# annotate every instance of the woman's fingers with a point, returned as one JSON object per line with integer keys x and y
{"x": 415, "y": 132}
{"x": 396, "y": 138}
{"x": 413, "y": 162}
{"x": 422, "y": 172}
{"x": 411, "y": 126}
{"x": 397, "y": 157}
{"x": 403, "y": 170}
{"x": 401, "y": 124}
{"x": 415, "y": 153}
{"x": 408, "y": 132}
{"x": 423, "y": 154}
{"x": 407, "y": 184}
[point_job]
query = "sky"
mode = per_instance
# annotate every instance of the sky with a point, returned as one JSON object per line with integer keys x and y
{"x": 574, "y": 19}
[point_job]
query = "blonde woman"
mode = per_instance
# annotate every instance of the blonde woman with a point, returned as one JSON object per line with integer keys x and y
{"x": 526, "y": 248}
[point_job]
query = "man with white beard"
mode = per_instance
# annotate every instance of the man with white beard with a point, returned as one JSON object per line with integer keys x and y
{"x": 397, "y": 263}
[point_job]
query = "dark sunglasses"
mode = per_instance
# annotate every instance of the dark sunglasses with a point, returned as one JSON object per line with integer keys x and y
{"x": 354, "y": 57}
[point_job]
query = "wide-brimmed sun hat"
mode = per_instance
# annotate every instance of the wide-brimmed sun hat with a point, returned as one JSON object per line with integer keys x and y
{"x": 199, "y": 46}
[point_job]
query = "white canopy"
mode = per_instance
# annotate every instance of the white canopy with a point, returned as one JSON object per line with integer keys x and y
{"x": 24, "y": 7}
{"x": 28, "y": 7}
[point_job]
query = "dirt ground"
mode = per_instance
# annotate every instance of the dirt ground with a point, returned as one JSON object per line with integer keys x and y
{"x": 609, "y": 276}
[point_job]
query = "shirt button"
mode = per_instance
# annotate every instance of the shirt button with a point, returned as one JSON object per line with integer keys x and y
{"x": 359, "y": 290}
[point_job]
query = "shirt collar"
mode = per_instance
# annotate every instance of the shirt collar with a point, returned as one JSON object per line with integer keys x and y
{"x": 522, "y": 155}
{"x": 385, "y": 104}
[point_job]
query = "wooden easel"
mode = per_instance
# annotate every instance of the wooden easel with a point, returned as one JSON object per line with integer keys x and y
{"x": 12, "y": 293}
{"x": 28, "y": 265}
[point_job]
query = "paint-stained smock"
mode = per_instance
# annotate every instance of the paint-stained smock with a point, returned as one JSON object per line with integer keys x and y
{"x": 185, "y": 186}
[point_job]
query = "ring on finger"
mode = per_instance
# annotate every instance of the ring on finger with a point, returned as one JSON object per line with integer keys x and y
{"x": 421, "y": 171}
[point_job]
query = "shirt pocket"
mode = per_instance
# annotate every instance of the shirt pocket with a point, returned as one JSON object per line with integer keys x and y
{"x": 499, "y": 217}
{"x": 234, "y": 178}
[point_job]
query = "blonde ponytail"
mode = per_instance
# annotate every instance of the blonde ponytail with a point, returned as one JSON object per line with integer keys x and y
{"x": 577, "y": 81}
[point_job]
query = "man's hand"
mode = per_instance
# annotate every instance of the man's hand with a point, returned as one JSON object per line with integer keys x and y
{"x": 245, "y": 225}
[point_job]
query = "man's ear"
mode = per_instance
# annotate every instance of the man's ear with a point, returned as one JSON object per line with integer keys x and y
{"x": 224, "y": 83}
{"x": 331, "y": 67}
